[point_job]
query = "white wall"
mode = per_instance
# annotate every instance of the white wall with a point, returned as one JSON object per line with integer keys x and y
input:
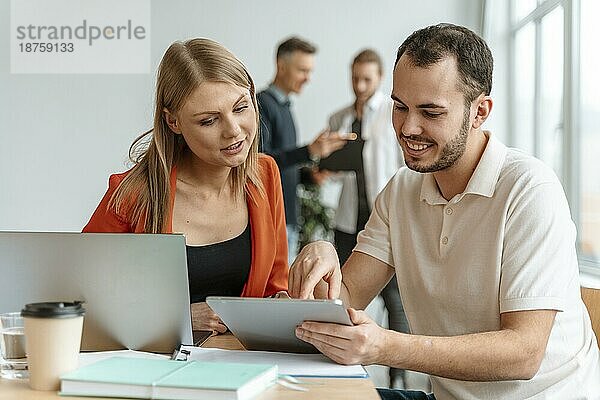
{"x": 62, "y": 135}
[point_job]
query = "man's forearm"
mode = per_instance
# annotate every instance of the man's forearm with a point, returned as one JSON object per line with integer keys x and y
{"x": 291, "y": 157}
{"x": 488, "y": 356}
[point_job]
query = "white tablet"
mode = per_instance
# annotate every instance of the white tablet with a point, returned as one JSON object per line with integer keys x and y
{"x": 269, "y": 324}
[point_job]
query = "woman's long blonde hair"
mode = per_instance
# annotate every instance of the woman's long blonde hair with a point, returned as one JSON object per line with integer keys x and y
{"x": 145, "y": 192}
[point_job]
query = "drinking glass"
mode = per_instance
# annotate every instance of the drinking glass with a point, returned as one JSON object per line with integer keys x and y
{"x": 13, "y": 358}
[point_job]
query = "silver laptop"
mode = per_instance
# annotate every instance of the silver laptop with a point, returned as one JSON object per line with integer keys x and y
{"x": 135, "y": 286}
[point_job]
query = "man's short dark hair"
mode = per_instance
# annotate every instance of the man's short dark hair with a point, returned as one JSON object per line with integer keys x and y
{"x": 473, "y": 57}
{"x": 369, "y": 56}
{"x": 292, "y": 44}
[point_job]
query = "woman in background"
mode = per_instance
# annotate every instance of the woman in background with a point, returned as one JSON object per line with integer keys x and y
{"x": 198, "y": 172}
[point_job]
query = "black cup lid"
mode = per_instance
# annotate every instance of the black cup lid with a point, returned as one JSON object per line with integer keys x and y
{"x": 53, "y": 310}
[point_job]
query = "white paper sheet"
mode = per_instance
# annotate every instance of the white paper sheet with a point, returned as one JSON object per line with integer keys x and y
{"x": 91, "y": 357}
{"x": 302, "y": 365}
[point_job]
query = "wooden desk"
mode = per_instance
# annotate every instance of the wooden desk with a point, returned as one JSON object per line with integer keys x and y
{"x": 333, "y": 388}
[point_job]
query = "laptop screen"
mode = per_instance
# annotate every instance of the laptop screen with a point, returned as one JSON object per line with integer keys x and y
{"x": 134, "y": 286}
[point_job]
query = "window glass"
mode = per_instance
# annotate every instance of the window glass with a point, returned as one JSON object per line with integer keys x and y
{"x": 524, "y": 89}
{"x": 551, "y": 90}
{"x": 589, "y": 162}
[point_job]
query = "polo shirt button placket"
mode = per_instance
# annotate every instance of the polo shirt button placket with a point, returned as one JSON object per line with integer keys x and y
{"x": 444, "y": 237}
{"x": 443, "y": 243}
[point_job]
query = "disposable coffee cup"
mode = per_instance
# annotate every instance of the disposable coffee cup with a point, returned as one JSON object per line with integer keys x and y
{"x": 53, "y": 339}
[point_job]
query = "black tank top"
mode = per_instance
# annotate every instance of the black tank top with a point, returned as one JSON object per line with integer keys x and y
{"x": 219, "y": 269}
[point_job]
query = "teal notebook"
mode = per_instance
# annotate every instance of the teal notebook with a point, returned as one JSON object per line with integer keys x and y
{"x": 167, "y": 379}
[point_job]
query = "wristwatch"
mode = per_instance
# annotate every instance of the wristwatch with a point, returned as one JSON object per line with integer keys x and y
{"x": 314, "y": 158}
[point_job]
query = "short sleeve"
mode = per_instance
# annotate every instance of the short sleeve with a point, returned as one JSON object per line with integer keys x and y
{"x": 375, "y": 240}
{"x": 539, "y": 262}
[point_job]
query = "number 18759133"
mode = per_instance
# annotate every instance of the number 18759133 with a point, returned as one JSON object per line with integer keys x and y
{"x": 46, "y": 47}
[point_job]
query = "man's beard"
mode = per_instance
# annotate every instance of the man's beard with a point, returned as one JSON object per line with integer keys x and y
{"x": 452, "y": 151}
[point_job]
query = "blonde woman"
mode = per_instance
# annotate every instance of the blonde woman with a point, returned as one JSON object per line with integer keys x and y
{"x": 198, "y": 172}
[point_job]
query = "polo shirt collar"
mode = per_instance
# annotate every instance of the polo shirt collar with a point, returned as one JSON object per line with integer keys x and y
{"x": 279, "y": 95}
{"x": 483, "y": 181}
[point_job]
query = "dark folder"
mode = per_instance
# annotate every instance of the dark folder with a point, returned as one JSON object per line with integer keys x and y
{"x": 348, "y": 158}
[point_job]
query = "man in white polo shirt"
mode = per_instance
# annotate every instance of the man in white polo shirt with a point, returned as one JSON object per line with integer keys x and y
{"x": 481, "y": 239}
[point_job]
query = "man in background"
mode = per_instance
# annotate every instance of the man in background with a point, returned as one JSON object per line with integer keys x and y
{"x": 294, "y": 65}
{"x": 371, "y": 161}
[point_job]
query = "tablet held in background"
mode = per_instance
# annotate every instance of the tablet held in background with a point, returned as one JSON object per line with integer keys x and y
{"x": 348, "y": 158}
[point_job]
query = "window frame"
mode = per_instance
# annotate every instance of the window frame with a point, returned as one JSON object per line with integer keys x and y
{"x": 571, "y": 170}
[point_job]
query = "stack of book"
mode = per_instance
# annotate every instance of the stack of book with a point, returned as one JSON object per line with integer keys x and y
{"x": 167, "y": 379}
